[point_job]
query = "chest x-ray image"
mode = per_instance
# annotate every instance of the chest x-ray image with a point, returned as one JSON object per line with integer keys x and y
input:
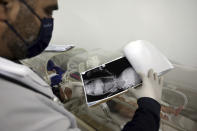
{"x": 109, "y": 79}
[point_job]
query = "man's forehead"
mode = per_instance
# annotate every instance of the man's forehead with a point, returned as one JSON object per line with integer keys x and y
{"x": 7, "y": 0}
{"x": 52, "y": 2}
{"x": 45, "y": 3}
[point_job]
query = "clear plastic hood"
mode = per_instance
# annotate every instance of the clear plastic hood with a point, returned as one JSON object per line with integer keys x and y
{"x": 179, "y": 108}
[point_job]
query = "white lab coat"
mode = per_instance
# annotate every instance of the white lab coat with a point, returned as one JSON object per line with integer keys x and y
{"x": 23, "y": 109}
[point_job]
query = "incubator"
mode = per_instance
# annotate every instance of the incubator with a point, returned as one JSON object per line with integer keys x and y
{"x": 178, "y": 111}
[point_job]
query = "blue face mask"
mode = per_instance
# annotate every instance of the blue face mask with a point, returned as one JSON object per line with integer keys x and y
{"x": 43, "y": 38}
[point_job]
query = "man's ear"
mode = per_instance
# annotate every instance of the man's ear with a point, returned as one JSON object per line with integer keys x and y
{"x": 9, "y": 9}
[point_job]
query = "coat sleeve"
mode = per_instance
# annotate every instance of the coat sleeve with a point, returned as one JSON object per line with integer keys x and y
{"x": 147, "y": 116}
{"x": 25, "y": 110}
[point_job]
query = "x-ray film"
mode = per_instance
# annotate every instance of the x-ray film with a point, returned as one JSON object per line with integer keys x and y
{"x": 109, "y": 80}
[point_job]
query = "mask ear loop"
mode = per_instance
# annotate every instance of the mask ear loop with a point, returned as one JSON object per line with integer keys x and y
{"x": 30, "y": 8}
{"x": 14, "y": 30}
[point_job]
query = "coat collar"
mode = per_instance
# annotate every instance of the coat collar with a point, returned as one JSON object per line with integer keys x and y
{"x": 25, "y": 75}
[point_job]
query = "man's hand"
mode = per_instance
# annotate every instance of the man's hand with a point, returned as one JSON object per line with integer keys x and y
{"x": 151, "y": 86}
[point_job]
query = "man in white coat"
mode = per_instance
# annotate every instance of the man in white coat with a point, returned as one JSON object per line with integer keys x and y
{"x": 26, "y": 101}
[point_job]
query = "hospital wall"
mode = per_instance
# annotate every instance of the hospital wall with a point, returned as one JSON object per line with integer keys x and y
{"x": 110, "y": 24}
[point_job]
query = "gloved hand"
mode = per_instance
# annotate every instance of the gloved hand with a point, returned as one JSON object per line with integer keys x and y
{"x": 151, "y": 86}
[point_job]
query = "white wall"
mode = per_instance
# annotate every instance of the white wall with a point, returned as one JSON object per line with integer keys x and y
{"x": 169, "y": 24}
